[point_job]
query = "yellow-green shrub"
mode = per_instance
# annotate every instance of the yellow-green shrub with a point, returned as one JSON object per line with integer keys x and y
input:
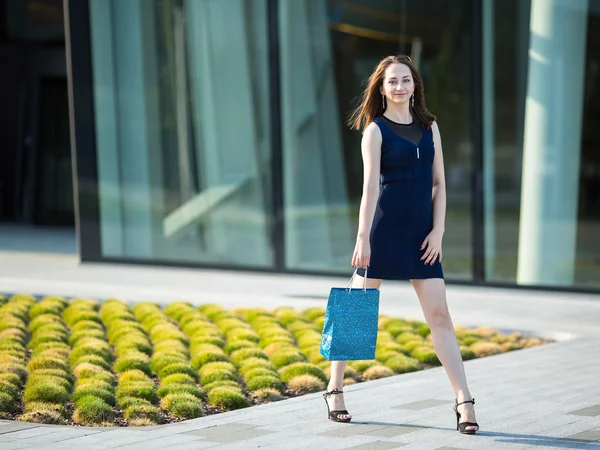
{"x": 223, "y": 397}
{"x": 426, "y": 355}
{"x": 220, "y": 366}
{"x": 243, "y": 354}
{"x": 178, "y": 378}
{"x": 48, "y": 392}
{"x": 46, "y": 416}
{"x": 139, "y": 389}
{"x": 403, "y": 364}
{"x": 263, "y": 382}
{"x": 182, "y": 405}
{"x": 179, "y": 388}
{"x": 92, "y": 411}
{"x": 286, "y": 356}
{"x": 375, "y": 372}
{"x": 268, "y": 395}
{"x": 305, "y": 384}
{"x": 485, "y": 349}
{"x": 148, "y": 412}
{"x": 133, "y": 360}
{"x": 223, "y": 383}
{"x": 296, "y": 369}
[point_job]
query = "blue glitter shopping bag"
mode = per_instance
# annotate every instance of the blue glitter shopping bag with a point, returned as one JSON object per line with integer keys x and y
{"x": 351, "y": 319}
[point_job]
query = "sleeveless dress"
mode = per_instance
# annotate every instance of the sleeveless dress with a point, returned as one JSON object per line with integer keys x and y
{"x": 404, "y": 214}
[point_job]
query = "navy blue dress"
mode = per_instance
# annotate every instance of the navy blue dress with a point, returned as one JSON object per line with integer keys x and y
{"x": 404, "y": 214}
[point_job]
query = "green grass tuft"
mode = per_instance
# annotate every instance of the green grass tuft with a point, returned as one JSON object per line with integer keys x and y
{"x": 216, "y": 367}
{"x": 184, "y": 368}
{"x": 179, "y": 388}
{"x": 224, "y": 398}
{"x": 86, "y": 325}
{"x": 59, "y": 373}
{"x": 133, "y": 375}
{"x": 47, "y": 362}
{"x": 131, "y": 361}
{"x": 12, "y": 378}
{"x": 33, "y": 406}
{"x": 147, "y": 412}
{"x": 239, "y": 344}
{"x": 403, "y": 364}
{"x": 94, "y": 382}
{"x": 46, "y": 416}
{"x": 305, "y": 384}
{"x": 8, "y": 403}
{"x": 286, "y": 356}
{"x": 426, "y": 355}
{"x": 254, "y": 363}
{"x": 375, "y": 372}
{"x": 242, "y": 334}
{"x": 77, "y": 336}
{"x": 234, "y": 385}
{"x": 184, "y": 406}
{"x": 217, "y": 376}
{"x": 159, "y": 363}
{"x": 140, "y": 389}
{"x": 293, "y": 370}
{"x": 87, "y": 370}
{"x": 46, "y": 307}
{"x": 126, "y": 401}
{"x": 268, "y": 395}
{"x": 92, "y": 411}
{"x": 203, "y": 358}
{"x": 73, "y": 315}
{"x": 239, "y": 356}
{"x": 92, "y": 359}
{"x": 93, "y": 347}
{"x": 45, "y": 392}
{"x": 178, "y": 378}
{"x": 105, "y": 394}
{"x": 467, "y": 353}
{"x": 37, "y": 378}
{"x": 264, "y": 382}
{"x": 260, "y": 372}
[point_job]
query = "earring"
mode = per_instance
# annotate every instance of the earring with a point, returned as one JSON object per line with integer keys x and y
{"x": 383, "y": 101}
{"x": 413, "y": 99}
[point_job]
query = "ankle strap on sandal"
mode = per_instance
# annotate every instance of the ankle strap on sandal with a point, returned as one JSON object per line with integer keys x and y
{"x": 468, "y": 401}
{"x": 334, "y": 391}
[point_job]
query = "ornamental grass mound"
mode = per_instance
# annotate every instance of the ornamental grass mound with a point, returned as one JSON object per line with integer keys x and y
{"x": 107, "y": 363}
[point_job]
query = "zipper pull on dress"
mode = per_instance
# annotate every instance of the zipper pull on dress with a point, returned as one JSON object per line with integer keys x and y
{"x": 417, "y": 152}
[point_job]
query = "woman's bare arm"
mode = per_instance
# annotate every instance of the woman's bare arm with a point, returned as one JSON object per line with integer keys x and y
{"x": 371, "y": 155}
{"x": 439, "y": 182}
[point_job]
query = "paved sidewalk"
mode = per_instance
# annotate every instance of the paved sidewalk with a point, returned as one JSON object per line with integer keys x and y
{"x": 545, "y": 398}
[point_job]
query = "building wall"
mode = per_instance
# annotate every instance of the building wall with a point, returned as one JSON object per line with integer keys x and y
{"x": 218, "y": 139}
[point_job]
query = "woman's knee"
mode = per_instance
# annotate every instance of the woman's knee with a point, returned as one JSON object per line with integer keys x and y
{"x": 439, "y": 317}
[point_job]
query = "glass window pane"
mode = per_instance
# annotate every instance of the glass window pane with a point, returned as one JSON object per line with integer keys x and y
{"x": 183, "y": 132}
{"x": 542, "y": 200}
{"x": 328, "y": 48}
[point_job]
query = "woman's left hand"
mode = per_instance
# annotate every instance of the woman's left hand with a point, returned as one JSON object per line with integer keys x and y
{"x": 433, "y": 247}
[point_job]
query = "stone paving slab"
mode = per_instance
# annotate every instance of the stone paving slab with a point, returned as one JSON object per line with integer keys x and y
{"x": 538, "y": 398}
{"x": 543, "y": 421}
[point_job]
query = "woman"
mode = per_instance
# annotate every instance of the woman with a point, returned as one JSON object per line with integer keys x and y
{"x": 402, "y": 214}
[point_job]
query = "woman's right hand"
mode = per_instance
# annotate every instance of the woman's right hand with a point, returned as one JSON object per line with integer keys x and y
{"x": 362, "y": 254}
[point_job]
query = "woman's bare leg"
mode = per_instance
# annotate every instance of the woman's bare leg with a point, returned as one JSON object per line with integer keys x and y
{"x": 432, "y": 295}
{"x": 336, "y": 380}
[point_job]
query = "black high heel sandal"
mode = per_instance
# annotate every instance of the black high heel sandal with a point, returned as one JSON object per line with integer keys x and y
{"x": 462, "y": 427}
{"x": 334, "y": 415}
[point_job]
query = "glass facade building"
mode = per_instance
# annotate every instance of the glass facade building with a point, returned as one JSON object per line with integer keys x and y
{"x": 211, "y": 133}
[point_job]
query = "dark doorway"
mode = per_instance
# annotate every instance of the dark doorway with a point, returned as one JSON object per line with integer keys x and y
{"x": 36, "y": 186}
{"x": 54, "y": 193}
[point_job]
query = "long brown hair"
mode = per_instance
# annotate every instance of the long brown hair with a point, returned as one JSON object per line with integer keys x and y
{"x": 371, "y": 104}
